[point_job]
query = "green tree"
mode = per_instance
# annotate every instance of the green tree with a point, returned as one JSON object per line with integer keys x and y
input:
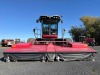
{"x": 75, "y": 32}
{"x": 89, "y": 23}
{"x": 92, "y": 26}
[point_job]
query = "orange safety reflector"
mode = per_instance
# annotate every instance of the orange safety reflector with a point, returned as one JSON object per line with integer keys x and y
{"x": 13, "y": 46}
{"x": 85, "y": 45}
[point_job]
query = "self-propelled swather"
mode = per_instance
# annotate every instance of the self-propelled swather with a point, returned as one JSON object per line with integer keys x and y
{"x": 49, "y": 47}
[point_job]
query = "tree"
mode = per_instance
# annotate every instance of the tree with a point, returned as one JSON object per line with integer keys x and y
{"x": 75, "y": 32}
{"x": 91, "y": 28}
{"x": 89, "y": 23}
{"x": 92, "y": 25}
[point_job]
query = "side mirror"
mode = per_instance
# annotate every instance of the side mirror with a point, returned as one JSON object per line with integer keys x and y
{"x": 34, "y": 30}
{"x": 37, "y": 21}
{"x": 61, "y": 21}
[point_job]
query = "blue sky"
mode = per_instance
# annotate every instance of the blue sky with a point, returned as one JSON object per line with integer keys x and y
{"x": 18, "y": 17}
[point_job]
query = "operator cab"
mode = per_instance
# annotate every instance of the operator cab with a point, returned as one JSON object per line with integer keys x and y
{"x": 49, "y": 26}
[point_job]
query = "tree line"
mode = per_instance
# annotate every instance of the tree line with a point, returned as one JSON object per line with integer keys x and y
{"x": 90, "y": 28}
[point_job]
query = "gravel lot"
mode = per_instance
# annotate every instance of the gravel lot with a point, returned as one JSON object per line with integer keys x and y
{"x": 51, "y": 68}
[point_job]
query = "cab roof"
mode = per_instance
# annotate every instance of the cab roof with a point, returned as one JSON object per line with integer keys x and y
{"x": 49, "y": 19}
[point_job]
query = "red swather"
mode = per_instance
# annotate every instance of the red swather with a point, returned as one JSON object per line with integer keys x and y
{"x": 49, "y": 47}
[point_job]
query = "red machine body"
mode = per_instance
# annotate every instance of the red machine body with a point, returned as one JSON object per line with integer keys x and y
{"x": 49, "y": 47}
{"x": 28, "y": 47}
{"x": 50, "y": 36}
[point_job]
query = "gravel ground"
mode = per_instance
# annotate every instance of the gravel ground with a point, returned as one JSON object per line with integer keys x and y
{"x": 51, "y": 68}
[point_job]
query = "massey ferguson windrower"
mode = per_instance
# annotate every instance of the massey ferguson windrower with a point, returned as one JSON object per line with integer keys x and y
{"x": 48, "y": 47}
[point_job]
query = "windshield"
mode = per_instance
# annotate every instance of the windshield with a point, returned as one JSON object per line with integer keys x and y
{"x": 50, "y": 29}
